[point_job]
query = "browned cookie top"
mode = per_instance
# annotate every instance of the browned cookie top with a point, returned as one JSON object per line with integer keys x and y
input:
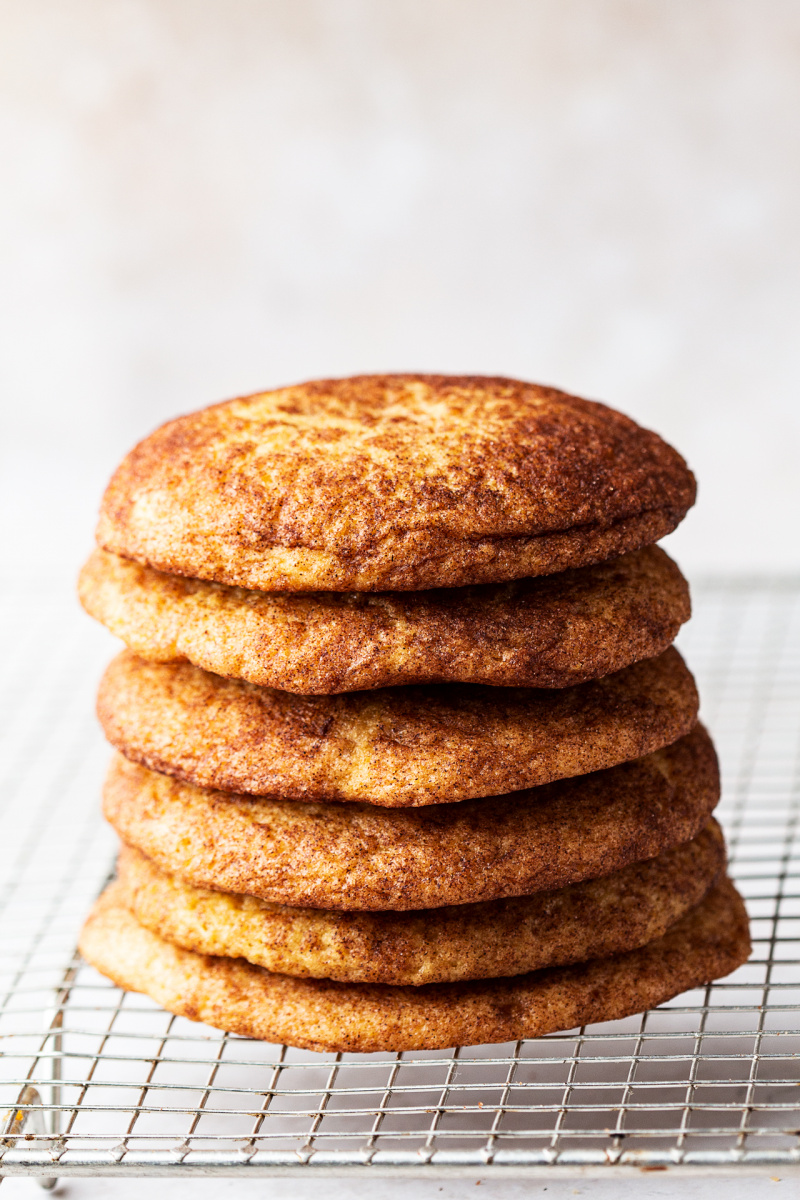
{"x": 393, "y": 482}
{"x": 548, "y": 631}
{"x": 361, "y": 856}
{"x": 398, "y": 747}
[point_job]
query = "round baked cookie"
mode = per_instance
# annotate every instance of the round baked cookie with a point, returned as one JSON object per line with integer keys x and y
{"x": 602, "y": 916}
{"x": 551, "y": 631}
{"x": 396, "y": 747}
{"x": 710, "y": 941}
{"x": 360, "y": 856}
{"x": 393, "y": 482}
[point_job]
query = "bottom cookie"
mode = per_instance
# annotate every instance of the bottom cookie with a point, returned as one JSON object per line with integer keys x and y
{"x": 319, "y": 1014}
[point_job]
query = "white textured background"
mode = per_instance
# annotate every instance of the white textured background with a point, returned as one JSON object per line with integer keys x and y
{"x": 205, "y": 197}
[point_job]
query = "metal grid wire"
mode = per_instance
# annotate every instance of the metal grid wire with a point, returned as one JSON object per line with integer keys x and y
{"x": 98, "y": 1081}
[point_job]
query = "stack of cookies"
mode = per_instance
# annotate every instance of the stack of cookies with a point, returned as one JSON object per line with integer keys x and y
{"x": 406, "y": 758}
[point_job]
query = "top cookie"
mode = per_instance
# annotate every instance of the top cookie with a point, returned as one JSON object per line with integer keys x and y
{"x": 393, "y": 482}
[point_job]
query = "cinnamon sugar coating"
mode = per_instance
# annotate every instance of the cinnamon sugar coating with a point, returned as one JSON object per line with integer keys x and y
{"x": 614, "y": 913}
{"x": 361, "y": 856}
{"x": 550, "y": 631}
{"x": 396, "y": 747}
{"x": 710, "y": 941}
{"x": 393, "y": 482}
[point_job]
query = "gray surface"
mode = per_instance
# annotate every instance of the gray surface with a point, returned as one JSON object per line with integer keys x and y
{"x": 643, "y": 1186}
{"x": 708, "y": 1080}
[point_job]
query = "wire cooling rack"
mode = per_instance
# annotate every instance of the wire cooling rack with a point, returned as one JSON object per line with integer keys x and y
{"x": 96, "y": 1081}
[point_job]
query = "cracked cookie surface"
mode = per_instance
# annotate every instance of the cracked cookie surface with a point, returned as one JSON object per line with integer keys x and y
{"x": 393, "y": 482}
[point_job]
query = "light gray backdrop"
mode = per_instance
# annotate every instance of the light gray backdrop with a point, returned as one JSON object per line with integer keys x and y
{"x": 202, "y": 199}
